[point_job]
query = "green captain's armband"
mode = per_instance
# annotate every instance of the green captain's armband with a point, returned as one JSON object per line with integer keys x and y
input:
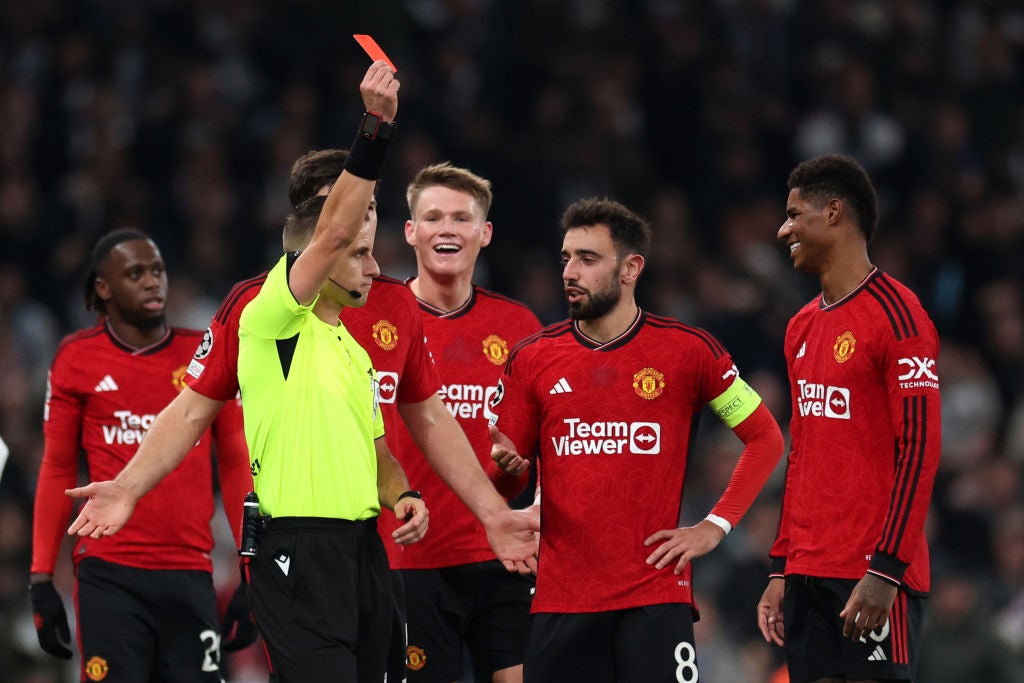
{"x": 736, "y": 403}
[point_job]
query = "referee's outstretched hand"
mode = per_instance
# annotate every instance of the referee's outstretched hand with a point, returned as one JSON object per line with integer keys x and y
{"x": 51, "y": 620}
{"x": 238, "y": 618}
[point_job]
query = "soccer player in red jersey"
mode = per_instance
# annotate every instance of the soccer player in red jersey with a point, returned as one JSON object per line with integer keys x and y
{"x": 145, "y": 598}
{"x": 457, "y": 594}
{"x": 850, "y": 563}
{"x": 609, "y": 401}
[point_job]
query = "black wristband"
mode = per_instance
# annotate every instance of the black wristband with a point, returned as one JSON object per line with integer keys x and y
{"x": 367, "y": 154}
{"x": 409, "y": 494}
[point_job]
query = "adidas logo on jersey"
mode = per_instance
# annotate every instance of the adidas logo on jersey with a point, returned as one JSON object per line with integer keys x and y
{"x": 877, "y": 655}
{"x": 107, "y": 384}
{"x": 561, "y": 387}
{"x": 802, "y": 351}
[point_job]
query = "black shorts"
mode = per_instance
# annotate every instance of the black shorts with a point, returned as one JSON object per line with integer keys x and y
{"x": 651, "y": 644}
{"x": 480, "y": 604}
{"x": 816, "y": 648}
{"x": 321, "y": 595}
{"x": 137, "y": 625}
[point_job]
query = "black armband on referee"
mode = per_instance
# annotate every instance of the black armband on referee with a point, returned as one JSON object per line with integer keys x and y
{"x": 370, "y": 147}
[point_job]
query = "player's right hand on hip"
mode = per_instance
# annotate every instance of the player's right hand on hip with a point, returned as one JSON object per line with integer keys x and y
{"x": 51, "y": 620}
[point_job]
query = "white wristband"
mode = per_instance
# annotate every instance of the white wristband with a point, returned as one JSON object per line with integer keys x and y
{"x": 720, "y": 522}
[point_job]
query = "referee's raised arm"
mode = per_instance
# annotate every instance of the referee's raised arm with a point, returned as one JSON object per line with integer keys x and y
{"x": 342, "y": 215}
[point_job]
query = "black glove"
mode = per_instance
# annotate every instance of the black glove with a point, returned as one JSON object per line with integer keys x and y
{"x": 238, "y": 616}
{"x": 51, "y": 620}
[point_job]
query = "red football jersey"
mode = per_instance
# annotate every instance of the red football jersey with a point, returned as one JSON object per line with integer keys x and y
{"x": 470, "y": 346}
{"x": 103, "y": 396}
{"x": 865, "y": 436}
{"x": 388, "y": 326}
{"x": 613, "y": 425}
{"x": 213, "y": 371}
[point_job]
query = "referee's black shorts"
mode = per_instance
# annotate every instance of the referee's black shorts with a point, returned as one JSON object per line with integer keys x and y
{"x": 321, "y": 594}
{"x": 146, "y": 624}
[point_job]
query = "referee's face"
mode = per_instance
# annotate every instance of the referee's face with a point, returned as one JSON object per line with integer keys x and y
{"x": 356, "y": 267}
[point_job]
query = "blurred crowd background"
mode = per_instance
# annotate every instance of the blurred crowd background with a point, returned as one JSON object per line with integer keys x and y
{"x": 183, "y": 117}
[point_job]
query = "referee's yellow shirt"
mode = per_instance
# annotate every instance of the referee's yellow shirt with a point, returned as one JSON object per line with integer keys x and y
{"x": 309, "y": 406}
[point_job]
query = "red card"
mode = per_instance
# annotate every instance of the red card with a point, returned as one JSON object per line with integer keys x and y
{"x": 373, "y": 49}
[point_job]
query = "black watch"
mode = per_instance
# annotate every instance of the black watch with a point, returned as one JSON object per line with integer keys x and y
{"x": 410, "y": 494}
{"x": 373, "y": 127}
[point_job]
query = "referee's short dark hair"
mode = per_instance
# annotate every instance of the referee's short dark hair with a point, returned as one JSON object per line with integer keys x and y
{"x": 837, "y": 176}
{"x": 312, "y": 171}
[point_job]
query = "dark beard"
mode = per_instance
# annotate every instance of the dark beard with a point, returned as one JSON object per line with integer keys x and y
{"x": 597, "y": 305}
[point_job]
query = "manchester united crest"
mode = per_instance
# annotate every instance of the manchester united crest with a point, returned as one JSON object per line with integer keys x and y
{"x": 385, "y": 334}
{"x": 96, "y": 668}
{"x": 496, "y": 349}
{"x": 648, "y": 383}
{"x": 845, "y": 345}
{"x": 415, "y": 658}
{"x": 178, "y": 378}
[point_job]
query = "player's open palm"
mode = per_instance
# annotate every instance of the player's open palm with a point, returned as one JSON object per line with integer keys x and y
{"x": 108, "y": 508}
{"x": 503, "y": 453}
{"x": 683, "y": 545}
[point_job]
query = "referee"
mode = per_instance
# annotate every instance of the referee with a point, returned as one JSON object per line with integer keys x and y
{"x": 319, "y": 584}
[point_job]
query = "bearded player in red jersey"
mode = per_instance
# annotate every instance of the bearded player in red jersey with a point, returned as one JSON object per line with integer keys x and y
{"x": 609, "y": 401}
{"x": 457, "y": 594}
{"x": 850, "y": 563}
{"x": 145, "y": 598}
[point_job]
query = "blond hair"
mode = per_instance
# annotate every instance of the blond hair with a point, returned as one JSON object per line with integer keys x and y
{"x": 454, "y": 178}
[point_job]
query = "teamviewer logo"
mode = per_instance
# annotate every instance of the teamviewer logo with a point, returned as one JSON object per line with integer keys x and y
{"x": 645, "y": 438}
{"x": 387, "y": 386}
{"x": 837, "y": 403}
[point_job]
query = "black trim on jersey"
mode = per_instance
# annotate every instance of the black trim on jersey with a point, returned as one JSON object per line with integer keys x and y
{"x": 915, "y": 429}
{"x": 236, "y": 293}
{"x": 631, "y": 332}
{"x": 285, "y": 352}
{"x": 501, "y": 297}
{"x": 478, "y": 292}
{"x": 554, "y": 330}
{"x": 79, "y": 335}
{"x": 462, "y": 310}
{"x": 662, "y": 322}
{"x": 289, "y": 260}
{"x": 882, "y": 289}
{"x": 161, "y": 343}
